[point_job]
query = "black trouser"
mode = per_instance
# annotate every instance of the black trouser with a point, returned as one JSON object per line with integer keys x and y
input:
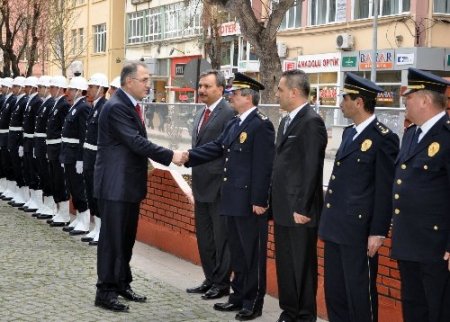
{"x": 212, "y": 243}
{"x": 88, "y": 175}
{"x": 350, "y": 283}
{"x": 17, "y": 165}
{"x": 115, "y": 246}
{"x": 296, "y": 262}
{"x": 6, "y": 163}
{"x": 30, "y": 171}
{"x": 425, "y": 291}
{"x": 44, "y": 176}
{"x": 58, "y": 181}
{"x": 75, "y": 184}
{"x": 247, "y": 237}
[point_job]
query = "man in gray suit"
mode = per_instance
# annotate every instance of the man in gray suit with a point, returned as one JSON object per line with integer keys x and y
{"x": 206, "y": 181}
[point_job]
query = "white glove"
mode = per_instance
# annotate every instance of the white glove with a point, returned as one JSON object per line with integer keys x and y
{"x": 79, "y": 167}
{"x": 20, "y": 151}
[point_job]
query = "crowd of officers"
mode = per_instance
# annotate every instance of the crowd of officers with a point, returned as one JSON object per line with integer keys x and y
{"x": 48, "y": 144}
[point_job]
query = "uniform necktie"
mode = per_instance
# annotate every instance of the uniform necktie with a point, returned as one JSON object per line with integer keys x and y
{"x": 286, "y": 124}
{"x": 348, "y": 139}
{"x": 235, "y": 127}
{"x": 415, "y": 140}
{"x": 205, "y": 118}
{"x": 139, "y": 111}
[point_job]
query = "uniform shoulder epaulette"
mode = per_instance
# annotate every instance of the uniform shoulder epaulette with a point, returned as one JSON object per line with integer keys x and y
{"x": 383, "y": 129}
{"x": 262, "y": 116}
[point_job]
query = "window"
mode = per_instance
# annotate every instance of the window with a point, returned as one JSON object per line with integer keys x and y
{"x": 100, "y": 38}
{"x": 135, "y": 27}
{"x": 74, "y": 41}
{"x": 174, "y": 22}
{"x": 293, "y": 16}
{"x": 441, "y": 6}
{"x": 364, "y": 8}
{"x": 153, "y": 25}
{"x": 81, "y": 35}
{"x": 322, "y": 11}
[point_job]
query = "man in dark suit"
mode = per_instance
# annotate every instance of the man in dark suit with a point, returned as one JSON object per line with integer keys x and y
{"x": 421, "y": 220}
{"x": 248, "y": 146}
{"x": 120, "y": 183}
{"x": 357, "y": 212}
{"x": 296, "y": 198}
{"x": 206, "y": 181}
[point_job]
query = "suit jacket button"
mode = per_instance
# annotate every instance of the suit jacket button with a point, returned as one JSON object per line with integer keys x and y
{"x": 396, "y": 196}
{"x": 399, "y": 181}
{"x": 225, "y": 179}
{"x": 425, "y": 167}
{"x": 403, "y": 166}
{"x": 328, "y": 205}
{"x": 338, "y": 163}
{"x": 330, "y": 191}
{"x": 436, "y": 227}
{"x": 228, "y": 150}
{"x": 225, "y": 169}
{"x": 397, "y": 211}
{"x": 333, "y": 177}
{"x": 358, "y": 160}
{"x": 360, "y": 216}
{"x": 226, "y": 159}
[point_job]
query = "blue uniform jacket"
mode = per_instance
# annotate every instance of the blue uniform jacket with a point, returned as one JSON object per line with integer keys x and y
{"x": 29, "y": 120}
{"x": 421, "y": 196}
{"x": 15, "y": 138}
{"x": 89, "y": 155}
{"x": 40, "y": 127}
{"x": 5, "y": 118}
{"x": 249, "y": 153}
{"x": 358, "y": 200}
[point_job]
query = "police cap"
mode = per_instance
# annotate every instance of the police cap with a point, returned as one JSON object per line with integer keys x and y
{"x": 422, "y": 80}
{"x": 242, "y": 81}
{"x": 357, "y": 85}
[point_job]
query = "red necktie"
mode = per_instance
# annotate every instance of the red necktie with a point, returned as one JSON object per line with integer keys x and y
{"x": 139, "y": 111}
{"x": 205, "y": 118}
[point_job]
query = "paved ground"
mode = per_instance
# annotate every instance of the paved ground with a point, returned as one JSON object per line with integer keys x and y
{"x": 47, "y": 275}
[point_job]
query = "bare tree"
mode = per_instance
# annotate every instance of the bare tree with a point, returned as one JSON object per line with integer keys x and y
{"x": 259, "y": 27}
{"x": 63, "y": 51}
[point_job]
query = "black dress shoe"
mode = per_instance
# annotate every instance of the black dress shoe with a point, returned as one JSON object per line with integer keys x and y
{"x": 215, "y": 293}
{"x": 247, "y": 315}
{"x": 74, "y": 232}
{"x": 112, "y": 304}
{"x": 30, "y": 210}
{"x": 93, "y": 243}
{"x": 68, "y": 229}
{"x": 86, "y": 239}
{"x": 227, "y": 307}
{"x": 44, "y": 216}
{"x": 129, "y": 294}
{"x": 59, "y": 224}
{"x": 203, "y": 288}
{"x": 49, "y": 221}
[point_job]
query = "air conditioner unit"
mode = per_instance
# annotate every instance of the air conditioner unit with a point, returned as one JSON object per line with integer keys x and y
{"x": 344, "y": 42}
{"x": 281, "y": 49}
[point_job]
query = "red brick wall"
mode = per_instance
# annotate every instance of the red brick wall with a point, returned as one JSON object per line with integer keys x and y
{"x": 167, "y": 222}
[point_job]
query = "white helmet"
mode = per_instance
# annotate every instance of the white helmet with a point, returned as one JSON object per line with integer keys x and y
{"x": 115, "y": 82}
{"x": 98, "y": 79}
{"x": 19, "y": 81}
{"x": 44, "y": 81}
{"x": 79, "y": 83}
{"x": 7, "y": 82}
{"x": 31, "y": 81}
{"x": 58, "y": 81}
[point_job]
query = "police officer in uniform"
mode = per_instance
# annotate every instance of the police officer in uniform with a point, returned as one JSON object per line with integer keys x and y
{"x": 57, "y": 115}
{"x": 15, "y": 141}
{"x": 357, "y": 212}
{"x": 247, "y": 143}
{"x": 421, "y": 219}
{"x": 5, "y": 117}
{"x": 73, "y": 133}
{"x": 97, "y": 88}
{"x": 29, "y": 161}
{"x": 47, "y": 208}
{"x": 114, "y": 86}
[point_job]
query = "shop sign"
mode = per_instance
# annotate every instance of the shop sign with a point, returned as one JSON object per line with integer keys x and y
{"x": 349, "y": 61}
{"x": 179, "y": 69}
{"x": 405, "y": 59}
{"x": 385, "y": 97}
{"x": 319, "y": 63}
{"x": 229, "y": 29}
{"x": 384, "y": 60}
{"x": 288, "y": 65}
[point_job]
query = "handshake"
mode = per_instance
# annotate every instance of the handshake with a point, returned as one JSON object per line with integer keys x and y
{"x": 180, "y": 157}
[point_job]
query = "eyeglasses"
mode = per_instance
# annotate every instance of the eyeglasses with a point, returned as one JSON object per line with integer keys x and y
{"x": 143, "y": 80}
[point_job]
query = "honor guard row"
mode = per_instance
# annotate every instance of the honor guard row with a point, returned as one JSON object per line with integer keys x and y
{"x": 48, "y": 147}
